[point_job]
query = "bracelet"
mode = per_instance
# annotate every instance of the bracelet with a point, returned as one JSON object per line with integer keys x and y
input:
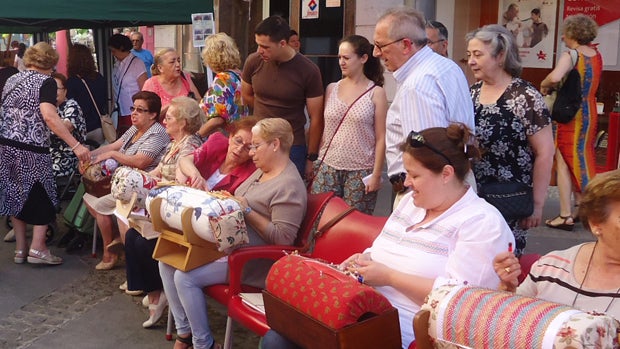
{"x": 75, "y": 146}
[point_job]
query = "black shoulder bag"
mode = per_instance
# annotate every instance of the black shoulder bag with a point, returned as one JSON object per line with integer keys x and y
{"x": 569, "y": 98}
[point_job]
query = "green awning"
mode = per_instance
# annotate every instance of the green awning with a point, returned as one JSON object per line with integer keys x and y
{"x": 29, "y": 16}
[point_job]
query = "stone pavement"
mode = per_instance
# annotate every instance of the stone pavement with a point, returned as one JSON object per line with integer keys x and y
{"x": 74, "y": 306}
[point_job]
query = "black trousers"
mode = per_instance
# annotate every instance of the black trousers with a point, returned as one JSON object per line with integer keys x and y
{"x": 142, "y": 269}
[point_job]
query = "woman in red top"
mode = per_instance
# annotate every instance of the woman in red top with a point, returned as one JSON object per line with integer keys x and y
{"x": 221, "y": 163}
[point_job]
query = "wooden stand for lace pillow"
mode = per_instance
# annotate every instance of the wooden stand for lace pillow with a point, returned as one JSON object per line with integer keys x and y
{"x": 184, "y": 250}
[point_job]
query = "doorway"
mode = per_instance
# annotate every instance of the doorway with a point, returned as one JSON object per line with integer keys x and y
{"x": 319, "y": 37}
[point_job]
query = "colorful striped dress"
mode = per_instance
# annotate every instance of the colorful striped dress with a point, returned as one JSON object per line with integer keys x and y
{"x": 576, "y": 139}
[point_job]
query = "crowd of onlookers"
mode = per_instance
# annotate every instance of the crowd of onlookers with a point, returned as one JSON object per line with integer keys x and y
{"x": 442, "y": 141}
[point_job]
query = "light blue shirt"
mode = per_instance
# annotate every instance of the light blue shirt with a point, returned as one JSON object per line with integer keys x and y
{"x": 431, "y": 91}
{"x": 146, "y": 57}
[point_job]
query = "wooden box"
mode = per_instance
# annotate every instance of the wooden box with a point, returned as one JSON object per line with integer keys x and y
{"x": 379, "y": 331}
{"x": 184, "y": 250}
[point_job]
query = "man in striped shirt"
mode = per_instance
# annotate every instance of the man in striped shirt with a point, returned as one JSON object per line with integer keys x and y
{"x": 431, "y": 90}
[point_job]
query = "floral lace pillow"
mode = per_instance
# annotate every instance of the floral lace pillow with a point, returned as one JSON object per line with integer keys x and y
{"x": 229, "y": 230}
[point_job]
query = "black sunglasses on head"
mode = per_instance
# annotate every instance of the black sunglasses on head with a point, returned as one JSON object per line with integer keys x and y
{"x": 416, "y": 140}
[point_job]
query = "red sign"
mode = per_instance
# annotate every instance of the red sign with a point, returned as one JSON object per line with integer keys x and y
{"x": 602, "y": 11}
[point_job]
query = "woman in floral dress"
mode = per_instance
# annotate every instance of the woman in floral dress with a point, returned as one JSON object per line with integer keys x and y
{"x": 222, "y": 103}
{"x": 513, "y": 125}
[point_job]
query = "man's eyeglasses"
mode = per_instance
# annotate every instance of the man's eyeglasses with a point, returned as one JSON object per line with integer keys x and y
{"x": 380, "y": 47}
{"x": 429, "y": 42}
{"x": 138, "y": 109}
{"x": 416, "y": 140}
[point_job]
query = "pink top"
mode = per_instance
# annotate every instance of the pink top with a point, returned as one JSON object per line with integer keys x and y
{"x": 153, "y": 85}
{"x": 353, "y": 148}
{"x": 212, "y": 154}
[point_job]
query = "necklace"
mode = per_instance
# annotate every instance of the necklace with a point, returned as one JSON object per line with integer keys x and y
{"x": 175, "y": 148}
{"x": 585, "y": 276}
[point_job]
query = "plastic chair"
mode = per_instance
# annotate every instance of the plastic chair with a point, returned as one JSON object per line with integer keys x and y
{"x": 354, "y": 232}
{"x": 221, "y": 293}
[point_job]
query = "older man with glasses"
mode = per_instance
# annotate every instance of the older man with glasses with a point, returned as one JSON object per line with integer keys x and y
{"x": 432, "y": 90}
{"x": 437, "y": 35}
{"x": 145, "y": 55}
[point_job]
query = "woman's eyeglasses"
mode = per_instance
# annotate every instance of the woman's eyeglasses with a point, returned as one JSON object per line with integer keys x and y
{"x": 416, "y": 140}
{"x": 138, "y": 109}
{"x": 239, "y": 144}
{"x": 254, "y": 147}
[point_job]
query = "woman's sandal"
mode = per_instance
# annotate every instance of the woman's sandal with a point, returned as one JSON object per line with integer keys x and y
{"x": 576, "y": 214}
{"x": 186, "y": 340}
{"x": 43, "y": 257}
{"x": 565, "y": 225}
{"x": 20, "y": 257}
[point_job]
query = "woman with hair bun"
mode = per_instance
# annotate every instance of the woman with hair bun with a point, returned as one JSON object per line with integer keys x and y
{"x": 169, "y": 80}
{"x": 354, "y": 134}
{"x": 440, "y": 233}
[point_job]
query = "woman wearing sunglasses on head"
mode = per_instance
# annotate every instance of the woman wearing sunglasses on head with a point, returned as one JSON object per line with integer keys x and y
{"x": 440, "y": 232}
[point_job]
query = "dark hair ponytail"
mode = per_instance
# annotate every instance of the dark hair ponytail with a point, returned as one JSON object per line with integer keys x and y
{"x": 373, "y": 69}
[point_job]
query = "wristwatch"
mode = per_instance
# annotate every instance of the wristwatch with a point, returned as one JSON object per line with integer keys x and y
{"x": 247, "y": 210}
{"x": 312, "y": 157}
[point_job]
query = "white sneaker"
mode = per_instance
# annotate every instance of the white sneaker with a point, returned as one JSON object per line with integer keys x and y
{"x": 10, "y": 236}
{"x": 123, "y": 286}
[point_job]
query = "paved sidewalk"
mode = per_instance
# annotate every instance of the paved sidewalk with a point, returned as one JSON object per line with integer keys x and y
{"x": 74, "y": 306}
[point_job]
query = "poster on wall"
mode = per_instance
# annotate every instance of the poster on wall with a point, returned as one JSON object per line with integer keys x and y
{"x": 606, "y": 13}
{"x": 532, "y": 23}
{"x": 203, "y": 25}
{"x": 309, "y": 9}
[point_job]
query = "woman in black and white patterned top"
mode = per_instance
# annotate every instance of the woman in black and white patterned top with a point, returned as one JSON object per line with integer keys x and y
{"x": 27, "y": 186}
{"x": 141, "y": 146}
{"x": 64, "y": 162}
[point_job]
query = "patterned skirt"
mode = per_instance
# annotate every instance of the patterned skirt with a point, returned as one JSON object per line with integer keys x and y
{"x": 27, "y": 185}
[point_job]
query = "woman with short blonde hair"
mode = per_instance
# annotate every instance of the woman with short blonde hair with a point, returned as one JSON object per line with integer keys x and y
{"x": 28, "y": 116}
{"x": 187, "y": 109}
{"x": 222, "y": 102}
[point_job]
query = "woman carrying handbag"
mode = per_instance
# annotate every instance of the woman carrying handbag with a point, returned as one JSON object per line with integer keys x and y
{"x": 353, "y": 146}
{"x": 84, "y": 81}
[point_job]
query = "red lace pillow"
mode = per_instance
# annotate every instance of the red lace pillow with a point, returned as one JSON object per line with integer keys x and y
{"x": 322, "y": 292}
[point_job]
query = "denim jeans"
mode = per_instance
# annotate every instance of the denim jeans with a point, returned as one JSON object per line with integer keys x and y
{"x": 298, "y": 157}
{"x": 187, "y": 301}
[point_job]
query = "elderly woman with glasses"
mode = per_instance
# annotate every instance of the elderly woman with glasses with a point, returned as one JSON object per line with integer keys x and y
{"x": 141, "y": 147}
{"x": 273, "y": 199}
{"x": 440, "y": 232}
{"x": 221, "y": 163}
